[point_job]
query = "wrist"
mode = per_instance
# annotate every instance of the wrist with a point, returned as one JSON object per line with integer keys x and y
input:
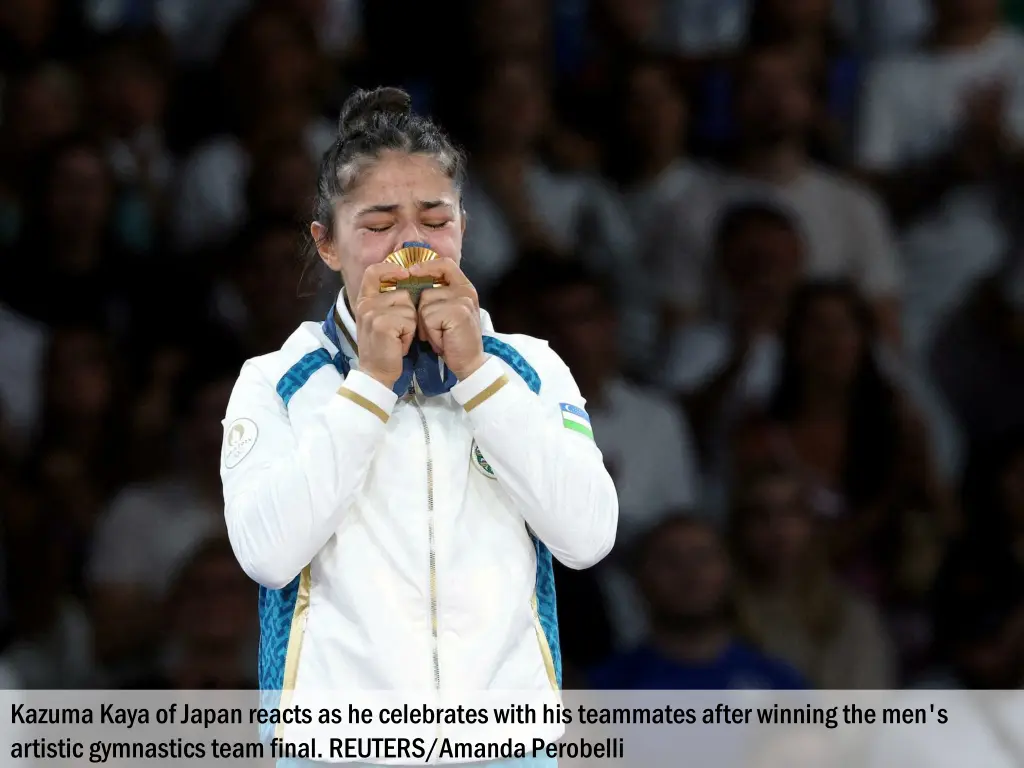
{"x": 468, "y": 370}
{"x": 382, "y": 379}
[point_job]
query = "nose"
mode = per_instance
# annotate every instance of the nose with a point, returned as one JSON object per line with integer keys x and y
{"x": 408, "y": 234}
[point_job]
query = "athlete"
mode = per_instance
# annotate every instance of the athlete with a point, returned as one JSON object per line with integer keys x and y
{"x": 398, "y": 477}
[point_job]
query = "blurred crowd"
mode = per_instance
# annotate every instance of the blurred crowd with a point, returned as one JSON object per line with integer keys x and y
{"x": 778, "y": 242}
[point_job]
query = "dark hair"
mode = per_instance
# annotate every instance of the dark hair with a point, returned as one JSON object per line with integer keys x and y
{"x": 736, "y": 217}
{"x": 873, "y": 422}
{"x": 373, "y": 122}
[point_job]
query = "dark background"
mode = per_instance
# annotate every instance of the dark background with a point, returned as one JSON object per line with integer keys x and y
{"x": 777, "y": 241}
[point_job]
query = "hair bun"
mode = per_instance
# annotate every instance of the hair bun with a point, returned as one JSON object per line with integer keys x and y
{"x": 361, "y": 106}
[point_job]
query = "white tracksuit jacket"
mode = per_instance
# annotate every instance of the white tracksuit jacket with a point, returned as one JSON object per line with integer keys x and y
{"x": 405, "y": 544}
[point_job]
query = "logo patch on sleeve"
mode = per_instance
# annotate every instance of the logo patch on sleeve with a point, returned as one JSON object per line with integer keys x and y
{"x": 576, "y": 419}
{"x": 239, "y": 441}
{"x": 477, "y": 460}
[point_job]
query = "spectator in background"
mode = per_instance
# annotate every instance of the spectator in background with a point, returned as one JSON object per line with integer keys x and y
{"x": 842, "y": 224}
{"x": 40, "y": 106}
{"x": 723, "y": 366}
{"x": 51, "y": 639}
{"x": 809, "y": 27}
{"x": 70, "y": 262}
{"x": 274, "y": 72}
{"x": 788, "y": 601}
{"x": 152, "y": 527}
{"x": 129, "y": 83}
{"x": 858, "y": 441}
{"x": 261, "y": 301}
{"x": 727, "y": 366}
{"x": 80, "y": 426}
{"x": 978, "y": 357}
{"x": 683, "y": 570}
{"x": 649, "y": 163}
{"x": 596, "y": 43}
{"x": 210, "y": 629}
{"x": 648, "y": 159}
{"x": 845, "y": 227}
{"x": 517, "y": 203}
{"x": 939, "y": 126}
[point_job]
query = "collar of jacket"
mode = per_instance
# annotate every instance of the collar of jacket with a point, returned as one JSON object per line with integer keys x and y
{"x": 422, "y": 369}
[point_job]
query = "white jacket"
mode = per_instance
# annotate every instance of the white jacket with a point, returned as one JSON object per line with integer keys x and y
{"x": 404, "y": 544}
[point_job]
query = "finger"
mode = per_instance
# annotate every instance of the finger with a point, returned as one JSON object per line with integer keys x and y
{"x": 408, "y": 335}
{"x": 385, "y": 302}
{"x": 444, "y": 268}
{"x": 437, "y": 296}
{"x": 449, "y": 293}
{"x": 376, "y": 273}
{"x": 440, "y": 317}
{"x": 395, "y": 322}
{"x": 432, "y": 325}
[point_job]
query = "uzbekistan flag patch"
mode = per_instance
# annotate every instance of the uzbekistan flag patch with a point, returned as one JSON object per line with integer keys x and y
{"x": 576, "y": 419}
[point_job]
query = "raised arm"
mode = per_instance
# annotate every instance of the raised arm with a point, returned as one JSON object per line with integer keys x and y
{"x": 286, "y": 490}
{"x": 542, "y": 450}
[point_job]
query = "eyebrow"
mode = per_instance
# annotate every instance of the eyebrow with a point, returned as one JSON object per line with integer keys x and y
{"x": 423, "y": 205}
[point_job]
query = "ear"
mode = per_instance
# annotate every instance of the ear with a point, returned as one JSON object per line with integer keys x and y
{"x": 325, "y": 246}
{"x": 464, "y": 218}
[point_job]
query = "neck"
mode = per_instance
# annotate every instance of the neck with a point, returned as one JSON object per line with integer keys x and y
{"x": 695, "y": 644}
{"x": 952, "y": 37}
{"x": 779, "y": 163}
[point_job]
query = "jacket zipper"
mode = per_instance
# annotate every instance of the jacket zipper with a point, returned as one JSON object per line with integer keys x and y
{"x": 430, "y": 539}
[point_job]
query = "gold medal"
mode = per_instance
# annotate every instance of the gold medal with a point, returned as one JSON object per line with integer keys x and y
{"x": 405, "y": 257}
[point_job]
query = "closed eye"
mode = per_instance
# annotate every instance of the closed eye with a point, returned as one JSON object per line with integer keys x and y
{"x": 385, "y": 228}
{"x": 440, "y": 225}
